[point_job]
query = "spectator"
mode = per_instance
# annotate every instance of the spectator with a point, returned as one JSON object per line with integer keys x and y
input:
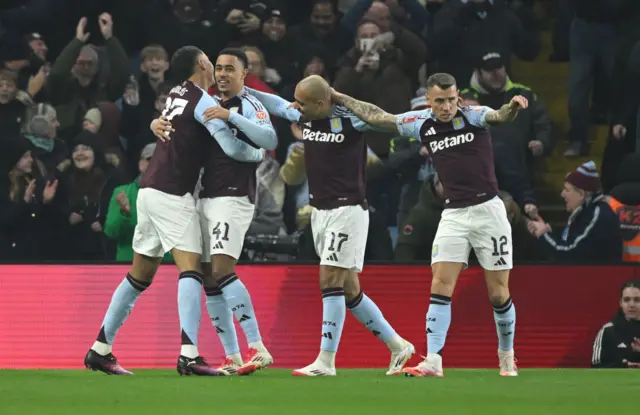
{"x": 592, "y": 42}
{"x": 617, "y": 344}
{"x": 175, "y": 23}
{"x": 144, "y": 136}
{"x": 624, "y": 199}
{"x": 28, "y": 230}
{"x": 376, "y": 72}
{"x": 244, "y": 19}
{"x": 593, "y": 230}
{"x": 40, "y": 128}
{"x": 462, "y": 28}
{"x": 88, "y": 181}
{"x": 515, "y": 143}
{"x": 269, "y": 201}
{"x": 75, "y": 83}
{"x": 13, "y": 104}
{"x": 418, "y": 230}
{"x": 258, "y": 67}
{"x": 279, "y": 47}
{"x": 137, "y": 114}
{"x": 109, "y": 121}
{"x": 122, "y": 213}
{"x": 323, "y": 31}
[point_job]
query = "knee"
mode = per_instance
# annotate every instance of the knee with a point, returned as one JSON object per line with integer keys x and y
{"x": 350, "y": 293}
{"x": 332, "y": 277}
{"x": 499, "y": 298}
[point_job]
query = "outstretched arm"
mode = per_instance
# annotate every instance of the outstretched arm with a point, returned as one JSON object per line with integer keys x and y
{"x": 276, "y": 105}
{"x": 507, "y": 112}
{"x": 368, "y": 113}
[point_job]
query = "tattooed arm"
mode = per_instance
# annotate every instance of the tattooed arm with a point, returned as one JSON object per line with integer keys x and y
{"x": 369, "y": 113}
{"x": 507, "y": 112}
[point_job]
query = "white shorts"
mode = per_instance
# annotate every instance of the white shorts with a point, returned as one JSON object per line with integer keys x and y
{"x": 484, "y": 227}
{"x": 224, "y": 222}
{"x": 166, "y": 222}
{"x": 340, "y": 236}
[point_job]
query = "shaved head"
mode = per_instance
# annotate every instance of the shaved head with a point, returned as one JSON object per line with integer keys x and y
{"x": 313, "y": 97}
{"x": 315, "y": 87}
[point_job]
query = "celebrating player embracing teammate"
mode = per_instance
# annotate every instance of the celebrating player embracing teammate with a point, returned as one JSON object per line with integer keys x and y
{"x": 226, "y": 207}
{"x": 459, "y": 144}
{"x": 167, "y": 215}
{"x": 335, "y": 157}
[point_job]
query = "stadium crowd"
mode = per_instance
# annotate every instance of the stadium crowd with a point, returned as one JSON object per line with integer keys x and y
{"x": 82, "y": 80}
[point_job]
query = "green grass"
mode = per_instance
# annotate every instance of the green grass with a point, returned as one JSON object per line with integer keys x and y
{"x": 352, "y": 392}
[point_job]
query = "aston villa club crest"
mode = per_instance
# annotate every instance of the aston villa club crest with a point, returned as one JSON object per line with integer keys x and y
{"x": 458, "y": 123}
{"x": 233, "y": 109}
{"x": 434, "y": 251}
{"x": 336, "y": 125}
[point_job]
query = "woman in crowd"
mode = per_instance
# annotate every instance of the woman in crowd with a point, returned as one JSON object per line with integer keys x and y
{"x": 617, "y": 344}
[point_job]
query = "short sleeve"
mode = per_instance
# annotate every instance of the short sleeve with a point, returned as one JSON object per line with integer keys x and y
{"x": 409, "y": 123}
{"x": 476, "y": 115}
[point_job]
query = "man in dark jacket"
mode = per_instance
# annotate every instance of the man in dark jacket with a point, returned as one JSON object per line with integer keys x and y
{"x": 593, "y": 230}
{"x": 515, "y": 144}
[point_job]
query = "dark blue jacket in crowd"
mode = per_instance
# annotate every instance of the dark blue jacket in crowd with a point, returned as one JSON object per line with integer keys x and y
{"x": 592, "y": 235}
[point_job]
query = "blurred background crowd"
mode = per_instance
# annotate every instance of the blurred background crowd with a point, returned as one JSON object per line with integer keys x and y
{"x": 81, "y": 80}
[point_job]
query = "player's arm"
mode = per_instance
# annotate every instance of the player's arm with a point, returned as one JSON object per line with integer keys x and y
{"x": 605, "y": 352}
{"x": 229, "y": 143}
{"x": 369, "y": 113}
{"x": 276, "y": 105}
{"x": 507, "y": 113}
{"x": 255, "y": 124}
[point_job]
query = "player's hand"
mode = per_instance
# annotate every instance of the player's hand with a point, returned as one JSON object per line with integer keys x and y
{"x": 49, "y": 192}
{"x": 161, "y": 129}
{"x": 123, "y": 203}
{"x": 80, "y": 34}
{"x": 636, "y": 345}
{"x": 216, "y": 112}
{"x": 75, "y": 218}
{"x": 619, "y": 131}
{"x": 531, "y": 210}
{"x": 536, "y": 147}
{"x": 519, "y": 102}
{"x": 424, "y": 152}
{"x": 296, "y": 131}
{"x": 106, "y": 25}
{"x": 28, "y": 194}
{"x": 96, "y": 227}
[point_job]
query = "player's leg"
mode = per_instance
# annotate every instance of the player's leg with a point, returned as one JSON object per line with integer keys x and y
{"x": 137, "y": 280}
{"x": 179, "y": 228}
{"x": 450, "y": 254}
{"x": 493, "y": 246}
{"x": 504, "y": 314}
{"x": 337, "y": 236}
{"x": 217, "y": 308}
{"x": 147, "y": 255}
{"x": 368, "y": 313}
{"x": 190, "y": 284}
{"x": 228, "y": 221}
{"x": 222, "y": 320}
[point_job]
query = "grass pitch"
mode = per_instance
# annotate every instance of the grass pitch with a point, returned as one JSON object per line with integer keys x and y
{"x": 352, "y": 392}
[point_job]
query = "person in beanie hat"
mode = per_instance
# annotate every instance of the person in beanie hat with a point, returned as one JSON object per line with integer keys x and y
{"x": 593, "y": 231}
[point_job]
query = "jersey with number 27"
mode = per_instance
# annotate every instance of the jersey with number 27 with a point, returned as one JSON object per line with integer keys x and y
{"x": 175, "y": 165}
{"x": 461, "y": 152}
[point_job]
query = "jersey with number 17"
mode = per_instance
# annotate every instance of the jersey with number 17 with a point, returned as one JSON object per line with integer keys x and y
{"x": 175, "y": 165}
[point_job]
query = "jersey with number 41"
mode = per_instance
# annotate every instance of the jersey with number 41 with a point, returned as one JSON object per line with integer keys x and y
{"x": 175, "y": 165}
{"x": 461, "y": 152}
